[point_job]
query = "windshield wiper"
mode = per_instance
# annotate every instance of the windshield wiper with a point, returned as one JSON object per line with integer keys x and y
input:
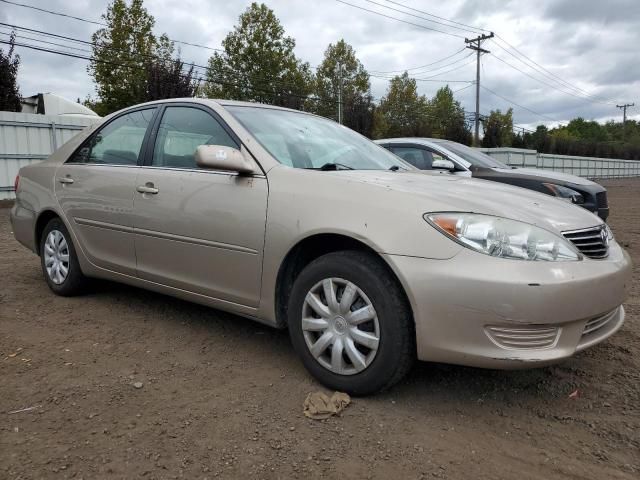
{"x": 331, "y": 166}
{"x": 394, "y": 168}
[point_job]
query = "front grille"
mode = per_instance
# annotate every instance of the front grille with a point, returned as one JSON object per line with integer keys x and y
{"x": 597, "y": 323}
{"x": 592, "y": 242}
{"x": 524, "y": 338}
{"x": 601, "y": 200}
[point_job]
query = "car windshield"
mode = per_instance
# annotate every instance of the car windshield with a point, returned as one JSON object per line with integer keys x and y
{"x": 300, "y": 140}
{"x": 473, "y": 156}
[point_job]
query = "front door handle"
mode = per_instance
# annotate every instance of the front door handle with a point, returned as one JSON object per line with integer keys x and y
{"x": 147, "y": 188}
{"x": 66, "y": 180}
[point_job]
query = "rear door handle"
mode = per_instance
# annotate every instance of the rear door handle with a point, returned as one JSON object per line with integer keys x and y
{"x": 66, "y": 180}
{"x": 147, "y": 188}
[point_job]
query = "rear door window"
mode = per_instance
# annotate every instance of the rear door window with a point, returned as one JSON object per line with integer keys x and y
{"x": 117, "y": 143}
{"x": 418, "y": 157}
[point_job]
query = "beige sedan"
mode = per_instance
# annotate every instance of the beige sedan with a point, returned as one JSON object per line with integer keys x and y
{"x": 295, "y": 221}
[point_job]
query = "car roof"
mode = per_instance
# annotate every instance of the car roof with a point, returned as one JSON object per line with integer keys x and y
{"x": 212, "y": 102}
{"x": 223, "y": 102}
{"x": 421, "y": 140}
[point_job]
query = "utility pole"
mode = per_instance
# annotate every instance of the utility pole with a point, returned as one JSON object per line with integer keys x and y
{"x": 624, "y": 111}
{"x": 474, "y": 44}
{"x": 340, "y": 93}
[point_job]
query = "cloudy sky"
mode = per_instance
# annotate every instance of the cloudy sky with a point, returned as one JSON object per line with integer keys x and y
{"x": 588, "y": 48}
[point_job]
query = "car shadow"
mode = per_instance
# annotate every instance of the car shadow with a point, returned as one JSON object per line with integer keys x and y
{"x": 427, "y": 381}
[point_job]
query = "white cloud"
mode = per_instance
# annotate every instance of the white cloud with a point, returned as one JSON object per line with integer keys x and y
{"x": 590, "y": 44}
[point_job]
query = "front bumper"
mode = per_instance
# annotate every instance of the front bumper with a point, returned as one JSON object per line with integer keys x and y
{"x": 488, "y": 312}
{"x": 595, "y": 199}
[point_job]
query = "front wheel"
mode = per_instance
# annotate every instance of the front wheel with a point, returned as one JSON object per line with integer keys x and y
{"x": 350, "y": 323}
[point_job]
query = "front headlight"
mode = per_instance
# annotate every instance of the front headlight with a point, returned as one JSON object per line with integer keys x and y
{"x": 565, "y": 193}
{"x": 609, "y": 232}
{"x": 501, "y": 237}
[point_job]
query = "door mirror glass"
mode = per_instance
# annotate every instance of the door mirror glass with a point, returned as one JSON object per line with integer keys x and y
{"x": 443, "y": 164}
{"x": 220, "y": 157}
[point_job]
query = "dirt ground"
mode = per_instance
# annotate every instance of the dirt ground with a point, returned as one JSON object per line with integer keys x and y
{"x": 222, "y": 397}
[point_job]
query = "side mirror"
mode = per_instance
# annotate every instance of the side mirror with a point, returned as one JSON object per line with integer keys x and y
{"x": 442, "y": 164}
{"x": 219, "y": 157}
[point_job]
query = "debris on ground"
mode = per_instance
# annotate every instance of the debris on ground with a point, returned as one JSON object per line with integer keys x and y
{"x": 318, "y": 406}
{"x": 575, "y": 394}
{"x": 28, "y": 409}
{"x": 11, "y": 355}
{"x": 137, "y": 385}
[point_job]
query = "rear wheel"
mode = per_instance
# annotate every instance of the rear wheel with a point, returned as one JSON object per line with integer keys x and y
{"x": 350, "y": 323}
{"x": 59, "y": 261}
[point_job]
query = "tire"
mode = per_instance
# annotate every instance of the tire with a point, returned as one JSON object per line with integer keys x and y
{"x": 74, "y": 282}
{"x": 380, "y": 364}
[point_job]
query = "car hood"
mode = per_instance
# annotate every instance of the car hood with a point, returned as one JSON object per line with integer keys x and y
{"x": 431, "y": 193}
{"x": 546, "y": 175}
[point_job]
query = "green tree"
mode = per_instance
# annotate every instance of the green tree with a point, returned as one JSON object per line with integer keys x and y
{"x": 258, "y": 63}
{"x": 588, "y": 138}
{"x": 166, "y": 79}
{"x": 446, "y": 117}
{"x": 121, "y": 52}
{"x": 581, "y": 129}
{"x": 342, "y": 75}
{"x": 9, "y": 91}
{"x": 498, "y": 129}
{"x": 402, "y": 111}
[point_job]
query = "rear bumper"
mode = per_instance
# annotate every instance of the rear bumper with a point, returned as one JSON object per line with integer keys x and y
{"x": 23, "y": 223}
{"x": 485, "y": 312}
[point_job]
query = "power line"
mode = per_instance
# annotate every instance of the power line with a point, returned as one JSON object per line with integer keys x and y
{"x": 44, "y": 41}
{"x": 94, "y": 22}
{"x": 137, "y": 67}
{"x": 541, "y": 115}
{"x": 391, "y": 77}
{"x": 438, "y": 68}
{"x": 137, "y": 55}
{"x": 573, "y": 90}
{"x": 471, "y": 27}
{"x": 396, "y": 19}
{"x": 44, "y": 10}
{"x": 550, "y": 85}
{"x": 463, "y": 88}
{"x": 421, "y": 66}
{"x": 428, "y": 71}
{"x": 568, "y": 84}
{"x": 583, "y": 94}
{"x": 40, "y": 32}
{"x": 447, "y": 71}
{"x": 418, "y": 16}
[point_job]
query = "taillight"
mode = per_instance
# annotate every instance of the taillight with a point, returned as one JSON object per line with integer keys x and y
{"x": 16, "y": 184}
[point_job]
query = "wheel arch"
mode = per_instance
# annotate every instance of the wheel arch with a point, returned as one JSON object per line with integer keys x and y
{"x": 307, "y": 250}
{"x": 44, "y": 217}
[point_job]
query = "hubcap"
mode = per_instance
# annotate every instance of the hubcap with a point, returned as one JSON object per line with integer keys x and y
{"x": 56, "y": 257}
{"x": 340, "y": 326}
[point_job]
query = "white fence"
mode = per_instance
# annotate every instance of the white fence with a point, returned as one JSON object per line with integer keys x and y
{"x": 27, "y": 138}
{"x": 590, "y": 167}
